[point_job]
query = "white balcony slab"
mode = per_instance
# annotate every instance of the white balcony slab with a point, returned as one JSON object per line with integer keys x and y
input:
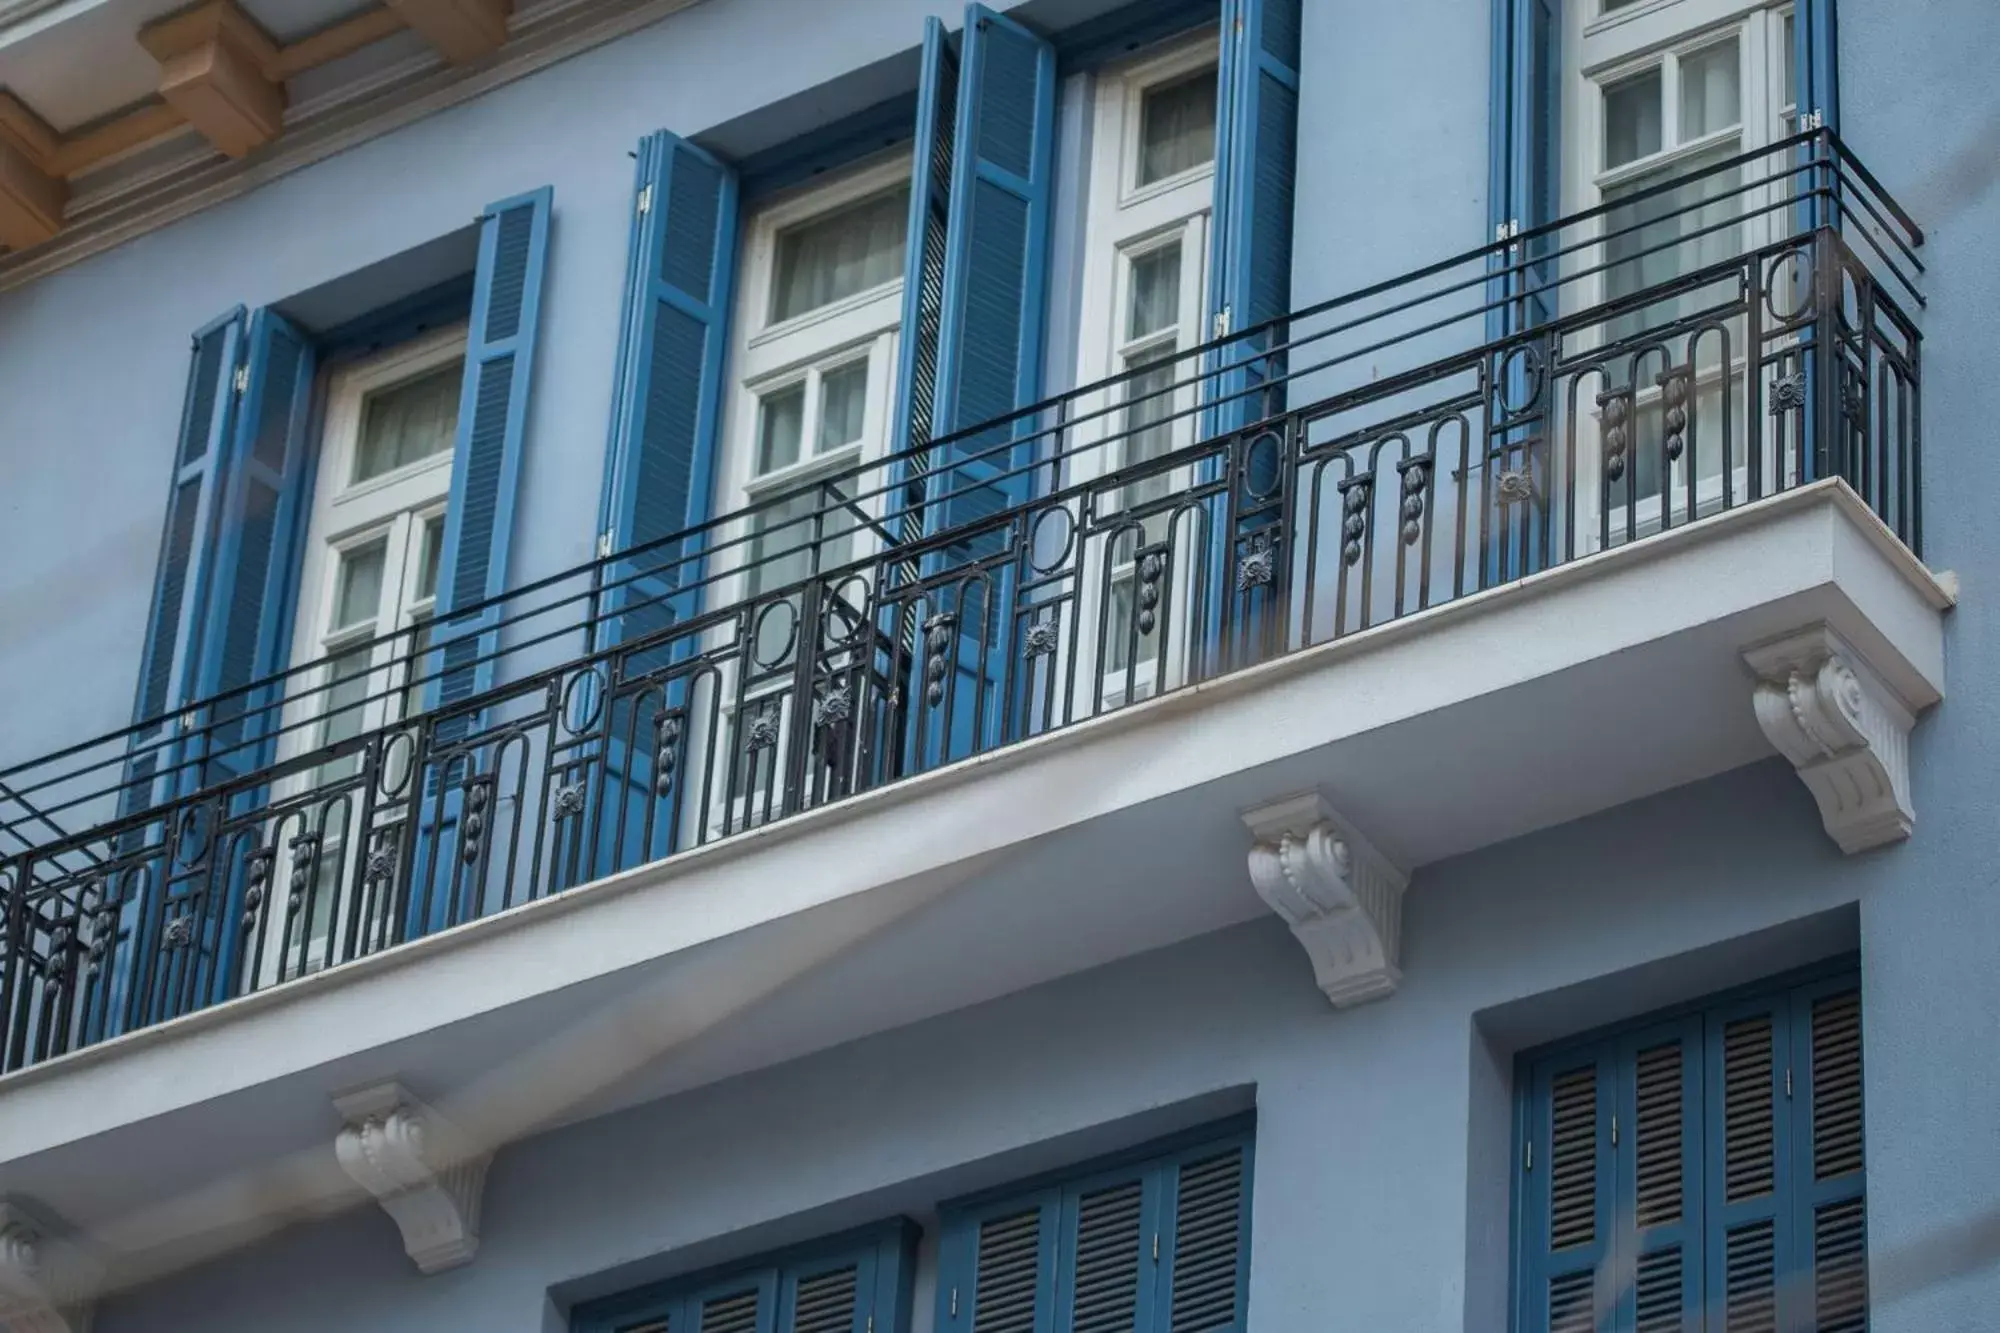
{"x": 1578, "y": 689}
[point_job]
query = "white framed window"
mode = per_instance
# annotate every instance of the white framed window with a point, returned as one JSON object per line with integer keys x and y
{"x": 1145, "y": 273}
{"x": 816, "y": 326}
{"x": 1656, "y": 89}
{"x": 373, "y": 547}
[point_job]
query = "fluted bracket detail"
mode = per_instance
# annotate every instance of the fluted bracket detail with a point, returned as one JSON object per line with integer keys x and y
{"x": 1341, "y": 897}
{"x": 1845, "y": 731}
{"x": 46, "y": 1277}
{"x": 423, "y": 1171}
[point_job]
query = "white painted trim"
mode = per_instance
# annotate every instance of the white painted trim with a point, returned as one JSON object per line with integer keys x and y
{"x": 48, "y": 1280}
{"x": 1826, "y": 708}
{"x": 1342, "y": 898}
{"x": 423, "y": 1170}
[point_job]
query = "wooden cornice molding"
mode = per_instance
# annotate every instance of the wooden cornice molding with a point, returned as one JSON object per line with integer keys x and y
{"x": 32, "y": 195}
{"x": 214, "y": 63}
{"x": 462, "y": 30}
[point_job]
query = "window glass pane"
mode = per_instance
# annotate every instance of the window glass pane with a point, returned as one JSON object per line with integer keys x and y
{"x": 1149, "y": 432}
{"x": 408, "y": 422}
{"x": 782, "y": 545}
{"x": 1644, "y": 237}
{"x": 1710, "y": 90}
{"x": 833, "y": 257}
{"x": 843, "y": 402}
{"x": 1155, "y": 301}
{"x": 782, "y": 421}
{"x": 1177, "y": 127}
{"x": 1631, "y": 118}
{"x": 1788, "y": 55}
{"x": 343, "y": 711}
{"x": 1611, "y": 6}
{"x": 430, "y": 547}
{"x": 360, "y": 587}
{"x": 1121, "y": 628}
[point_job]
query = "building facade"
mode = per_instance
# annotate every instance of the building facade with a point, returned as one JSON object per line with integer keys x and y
{"x": 926, "y": 668}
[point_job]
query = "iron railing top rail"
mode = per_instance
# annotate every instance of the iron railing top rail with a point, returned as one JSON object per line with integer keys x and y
{"x": 1808, "y": 181}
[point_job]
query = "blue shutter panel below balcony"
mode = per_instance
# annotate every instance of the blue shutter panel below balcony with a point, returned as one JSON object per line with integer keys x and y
{"x": 492, "y": 421}
{"x": 667, "y": 407}
{"x": 915, "y": 402}
{"x": 996, "y": 259}
{"x": 207, "y": 430}
{"x": 1250, "y": 250}
{"x": 253, "y": 590}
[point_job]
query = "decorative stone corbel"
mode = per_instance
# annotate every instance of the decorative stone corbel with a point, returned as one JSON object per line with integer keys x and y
{"x": 1341, "y": 897}
{"x": 1844, "y": 729}
{"x": 46, "y": 1278}
{"x": 423, "y": 1171}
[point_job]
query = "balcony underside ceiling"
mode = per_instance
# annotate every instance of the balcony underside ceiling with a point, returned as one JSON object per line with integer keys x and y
{"x": 1604, "y": 681}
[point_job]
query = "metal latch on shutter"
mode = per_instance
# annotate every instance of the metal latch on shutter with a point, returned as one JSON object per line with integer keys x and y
{"x": 645, "y": 201}
{"x": 1222, "y": 322}
{"x": 954, "y": 1302}
{"x": 603, "y": 545}
{"x": 1614, "y": 1131}
{"x": 1527, "y": 1154}
{"x": 241, "y": 380}
{"x": 1814, "y": 119}
{"x": 1508, "y": 230}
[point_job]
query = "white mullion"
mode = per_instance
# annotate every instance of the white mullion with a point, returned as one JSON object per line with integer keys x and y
{"x": 1670, "y": 102}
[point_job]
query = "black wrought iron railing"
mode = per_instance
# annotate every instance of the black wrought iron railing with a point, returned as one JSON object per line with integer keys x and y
{"x": 1696, "y": 345}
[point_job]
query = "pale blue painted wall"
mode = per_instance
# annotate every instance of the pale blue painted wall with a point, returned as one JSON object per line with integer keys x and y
{"x": 1364, "y": 1207}
{"x": 1364, "y": 1211}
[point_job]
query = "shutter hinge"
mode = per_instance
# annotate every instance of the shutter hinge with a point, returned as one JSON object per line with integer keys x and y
{"x": 1814, "y": 119}
{"x": 1156, "y": 1247}
{"x": 603, "y": 545}
{"x": 1508, "y": 230}
{"x": 1788, "y": 1082}
{"x": 871, "y": 1324}
{"x": 241, "y": 380}
{"x": 1527, "y": 1154}
{"x": 1614, "y": 1131}
{"x": 954, "y": 1302}
{"x": 645, "y": 201}
{"x": 1222, "y": 322}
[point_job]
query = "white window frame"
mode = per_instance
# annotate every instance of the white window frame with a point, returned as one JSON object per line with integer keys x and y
{"x": 1601, "y": 49}
{"x": 392, "y": 509}
{"x": 769, "y": 356}
{"x": 1125, "y": 221}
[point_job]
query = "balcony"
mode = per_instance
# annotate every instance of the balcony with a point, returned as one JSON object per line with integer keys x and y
{"x": 1483, "y": 549}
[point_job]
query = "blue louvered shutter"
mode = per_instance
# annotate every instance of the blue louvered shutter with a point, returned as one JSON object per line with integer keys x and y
{"x": 1815, "y": 64}
{"x": 1711, "y": 1161}
{"x": 915, "y": 402}
{"x": 1202, "y": 1277}
{"x": 1566, "y": 1192}
{"x": 668, "y": 395}
{"x": 1250, "y": 247}
{"x": 996, "y": 260}
{"x": 247, "y": 621}
{"x": 997, "y": 1266}
{"x": 486, "y": 462}
{"x": 167, "y": 665}
{"x": 989, "y": 361}
{"x": 865, "y": 1289}
{"x": 1829, "y": 1214}
{"x": 1523, "y": 191}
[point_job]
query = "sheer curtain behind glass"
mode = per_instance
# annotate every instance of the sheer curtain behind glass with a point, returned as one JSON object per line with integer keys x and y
{"x": 832, "y": 258}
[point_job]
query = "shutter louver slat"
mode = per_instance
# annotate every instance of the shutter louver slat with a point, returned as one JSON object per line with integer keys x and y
{"x": 175, "y": 561}
{"x": 1749, "y": 1128}
{"x": 1657, "y": 1136}
{"x": 1106, "y": 1296}
{"x": 1750, "y": 1293}
{"x": 923, "y": 271}
{"x": 826, "y": 1302}
{"x": 1658, "y": 1286}
{"x": 1836, "y": 1085}
{"x": 510, "y": 274}
{"x": 1572, "y": 1303}
{"x": 1573, "y": 1160}
{"x": 1207, "y": 1244}
{"x": 1840, "y": 1267}
{"x": 1007, "y": 1273}
{"x": 734, "y": 1313}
